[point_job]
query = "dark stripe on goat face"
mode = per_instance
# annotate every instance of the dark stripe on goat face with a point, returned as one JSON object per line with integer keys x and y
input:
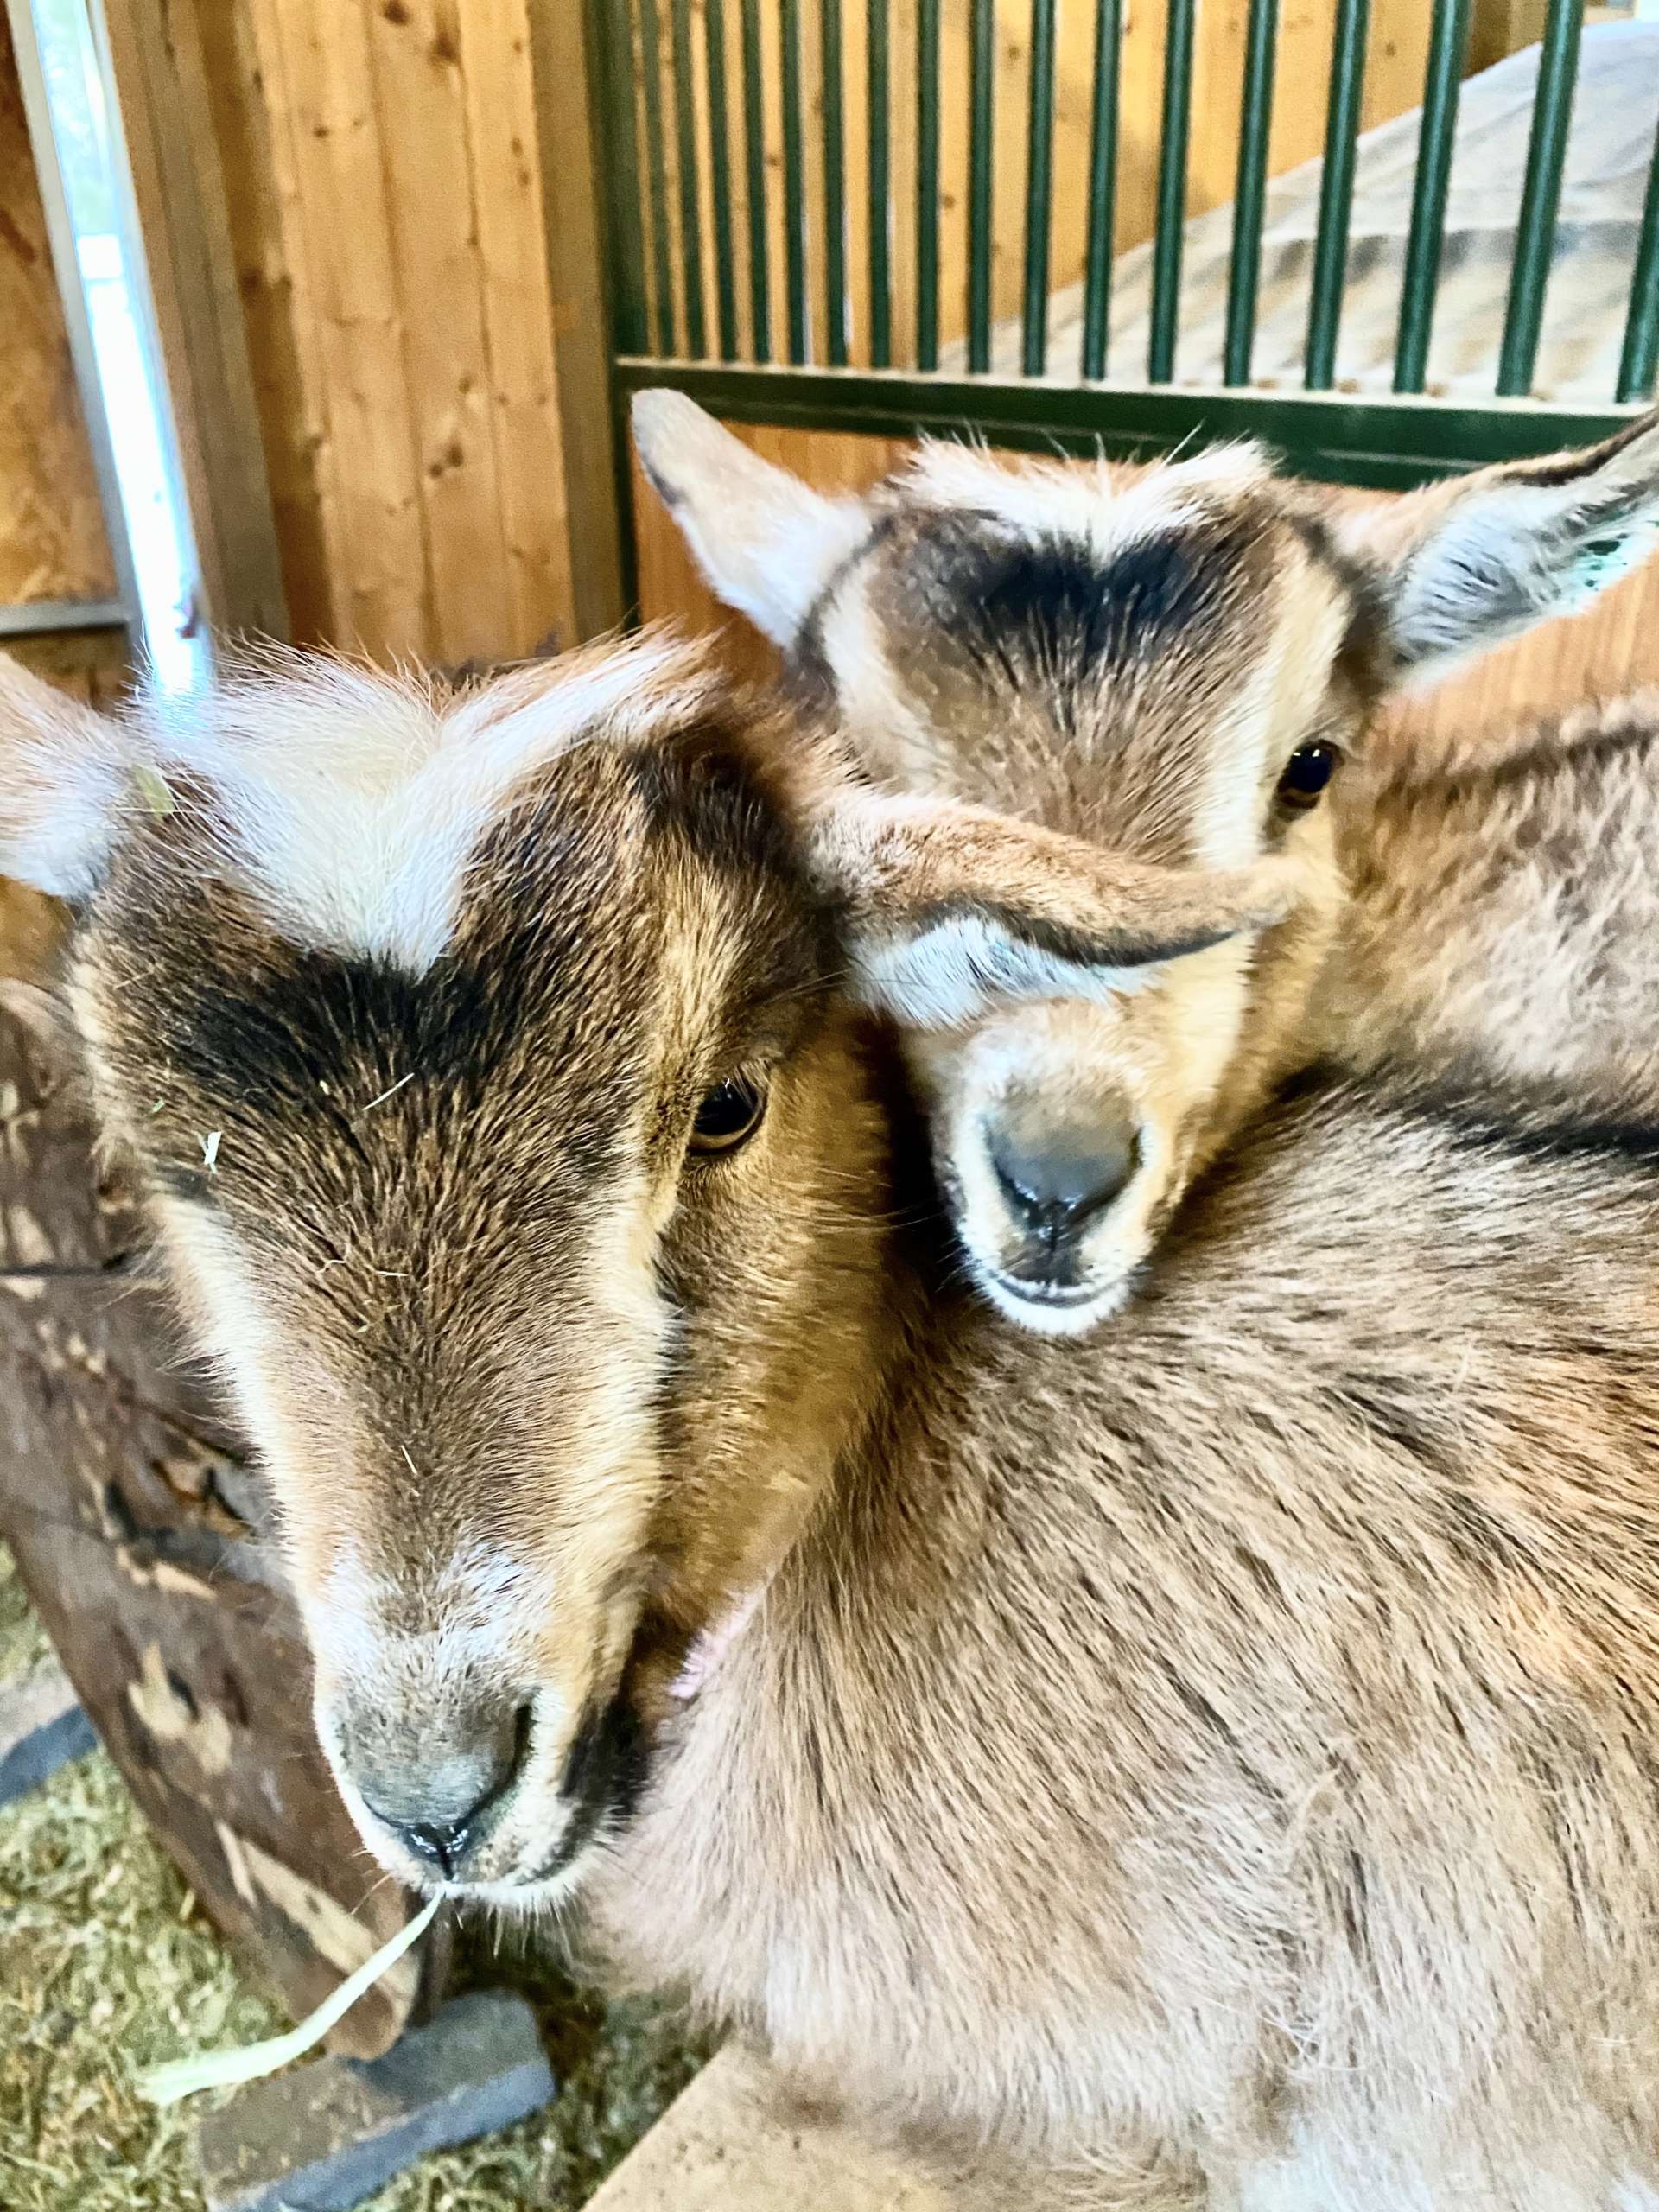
{"x": 606, "y": 1767}
{"x": 1056, "y": 606}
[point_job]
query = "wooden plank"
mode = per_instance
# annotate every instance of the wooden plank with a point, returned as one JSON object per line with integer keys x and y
{"x": 419, "y": 119}
{"x": 520, "y": 345}
{"x": 53, "y": 543}
{"x": 178, "y": 187}
{"x": 252, "y": 118}
{"x": 584, "y": 570}
{"x": 382, "y": 576}
{"x": 725, "y": 2146}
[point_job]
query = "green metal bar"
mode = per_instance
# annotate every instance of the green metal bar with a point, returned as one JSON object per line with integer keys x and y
{"x": 1249, "y": 196}
{"x": 1336, "y": 191}
{"x": 1447, "y": 47}
{"x": 685, "y": 120}
{"x": 927, "y": 184}
{"x": 625, "y": 234}
{"x": 720, "y": 175}
{"x": 832, "y": 49}
{"x": 1641, "y": 355}
{"x": 1534, "y": 237}
{"x": 1039, "y": 186}
{"x": 1102, "y": 188}
{"x": 650, "y": 72}
{"x": 1171, "y": 191}
{"x": 794, "y": 190}
{"x": 754, "y": 150}
{"x": 878, "y": 106}
{"x": 981, "y": 122}
{"x": 1391, "y": 442}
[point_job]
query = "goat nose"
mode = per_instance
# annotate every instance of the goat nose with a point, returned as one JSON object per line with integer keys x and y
{"x": 1057, "y": 1179}
{"x": 438, "y": 1805}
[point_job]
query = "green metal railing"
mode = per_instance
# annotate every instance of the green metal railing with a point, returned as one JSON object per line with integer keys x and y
{"x": 726, "y": 151}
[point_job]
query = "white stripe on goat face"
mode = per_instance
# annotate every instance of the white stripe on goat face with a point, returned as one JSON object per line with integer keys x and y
{"x": 350, "y": 803}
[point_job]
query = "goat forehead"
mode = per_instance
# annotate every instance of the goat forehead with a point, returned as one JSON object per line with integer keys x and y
{"x": 1133, "y": 653}
{"x": 619, "y": 926}
{"x": 349, "y": 802}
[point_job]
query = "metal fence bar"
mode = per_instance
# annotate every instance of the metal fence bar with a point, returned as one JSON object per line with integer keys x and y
{"x": 1171, "y": 191}
{"x": 1103, "y": 187}
{"x": 651, "y": 76}
{"x": 685, "y": 120}
{"x": 1039, "y": 187}
{"x": 625, "y": 233}
{"x": 981, "y": 122}
{"x": 1249, "y": 196}
{"x": 927, "y": 184}
{"x": 1447, "y": 47}
{"x": 754, "y": 151}
{"x": 1336, "y": 191}
{"x": 1534, "y": 237}
{"x": 794, "y": 187}
{"x": 877, "y": 100}
{"x": 1641, "y": 355}
{"x": 832, "y": 54}
{"x": 720, "y": 176}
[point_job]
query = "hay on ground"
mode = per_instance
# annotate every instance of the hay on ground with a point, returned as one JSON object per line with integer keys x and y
{"x": 105, "y": 1965}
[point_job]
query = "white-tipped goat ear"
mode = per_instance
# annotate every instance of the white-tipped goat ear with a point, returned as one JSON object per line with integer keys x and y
{"x": 767, "y": 542}
{"x": 65, "y": 773}
{"x": 1461, "y": 566}
{"x": 952, "y": 910}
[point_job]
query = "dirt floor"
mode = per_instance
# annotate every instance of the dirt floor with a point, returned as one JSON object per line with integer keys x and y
{"x": 105, "y": 1965}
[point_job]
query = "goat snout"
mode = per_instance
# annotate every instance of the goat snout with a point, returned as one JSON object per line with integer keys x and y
{"x": 1056, "y": 1178}
{"x": 439, "y": 1791}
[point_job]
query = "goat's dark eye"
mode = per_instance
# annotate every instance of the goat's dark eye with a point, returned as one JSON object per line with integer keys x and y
{"x": 1308, "y": 772}
{"x": 729, "y": 1114}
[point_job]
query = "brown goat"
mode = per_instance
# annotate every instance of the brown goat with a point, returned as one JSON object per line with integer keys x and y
{"x": 1174, "y": 661}
{"x": 1214, "y": 1766}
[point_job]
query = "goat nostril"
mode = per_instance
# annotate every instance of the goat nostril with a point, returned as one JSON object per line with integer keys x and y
{"x": 444, "y": 1843}
{"x": 440, "y": 1810}
{"x": 1060, "y": 1182}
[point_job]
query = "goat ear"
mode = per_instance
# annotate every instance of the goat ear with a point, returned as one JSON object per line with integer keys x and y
{"x": 767, "y": 542}
{"x": 64, "y": 771}
{"x": 952, "y": 910}
{"x": 1463, "y": 565}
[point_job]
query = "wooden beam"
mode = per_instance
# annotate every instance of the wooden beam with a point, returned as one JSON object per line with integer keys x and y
{"x": 592, "y": 461}
{"x": 724, "y": 2146}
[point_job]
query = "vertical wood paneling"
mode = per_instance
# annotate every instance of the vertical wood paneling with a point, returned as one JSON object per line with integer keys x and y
{"x": 382, "y": 596}
{"x": 421, "y": 121}
{"x": 407, "y": 310}
{"x": 252, "y": 122}
{"x": 519, "y": 325}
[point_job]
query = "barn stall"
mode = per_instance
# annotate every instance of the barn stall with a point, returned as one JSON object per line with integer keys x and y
{"x": 394, "y": 267}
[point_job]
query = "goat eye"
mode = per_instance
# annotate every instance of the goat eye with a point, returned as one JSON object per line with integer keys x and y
{"x": 729, "y": 1115}
{"x": 1308, "y": 772}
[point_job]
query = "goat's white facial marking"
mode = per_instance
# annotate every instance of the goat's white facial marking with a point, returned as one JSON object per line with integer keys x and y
{"x": 350, "y": 804}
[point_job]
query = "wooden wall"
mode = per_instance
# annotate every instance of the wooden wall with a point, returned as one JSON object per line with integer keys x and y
{"x": 1397, "y": 53}
{"x": 382, "y": 187}
{"x": 1610, "y": 650}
